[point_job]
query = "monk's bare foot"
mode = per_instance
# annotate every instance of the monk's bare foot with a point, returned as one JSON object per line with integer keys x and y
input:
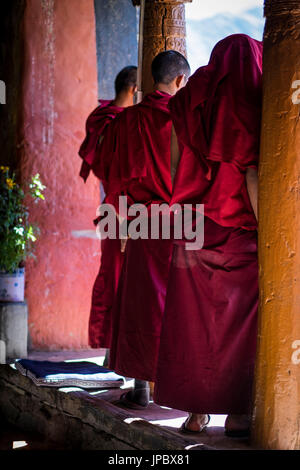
{"x": 238, "y": 425}
{"x": 196, "y": 422}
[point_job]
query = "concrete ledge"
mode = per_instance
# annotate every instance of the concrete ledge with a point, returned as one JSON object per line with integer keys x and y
{"x": 14, "y": 328}
{"x": 89, "y": 420}
{"x": 79, "y": 419}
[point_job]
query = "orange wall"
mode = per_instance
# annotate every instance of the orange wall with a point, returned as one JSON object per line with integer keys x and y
{"x": 60, "y": 89}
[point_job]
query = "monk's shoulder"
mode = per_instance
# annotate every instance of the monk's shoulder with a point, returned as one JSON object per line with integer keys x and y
{"x": 128, "y": 115}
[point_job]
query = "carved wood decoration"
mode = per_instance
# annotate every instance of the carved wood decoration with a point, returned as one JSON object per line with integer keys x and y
{"x": 164, "y": 29}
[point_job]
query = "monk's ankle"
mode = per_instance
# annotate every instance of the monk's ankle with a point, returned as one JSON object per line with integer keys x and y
{"x": 106, "y": 359}
{"x": 141, "y": 392}
{"x": 195, "y": 422}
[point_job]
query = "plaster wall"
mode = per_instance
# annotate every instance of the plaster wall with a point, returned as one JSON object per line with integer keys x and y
{"x": 59, "y": 91}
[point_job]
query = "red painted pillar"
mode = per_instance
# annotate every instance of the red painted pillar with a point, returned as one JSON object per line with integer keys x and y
{"x": 60, "y": 90}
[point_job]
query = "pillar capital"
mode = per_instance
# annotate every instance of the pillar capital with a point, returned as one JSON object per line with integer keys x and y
{"x": 281, "y": 7}
{"x": 282, "y": 19}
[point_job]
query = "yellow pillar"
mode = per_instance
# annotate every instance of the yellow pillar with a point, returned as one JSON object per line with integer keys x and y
{"x": 276, "y": 418}
{"x": 164, "y": 29}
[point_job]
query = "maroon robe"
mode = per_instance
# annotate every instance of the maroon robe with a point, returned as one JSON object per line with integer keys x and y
{"x": 208, "y": 339}
{"x": 96, "y": 124}
{"x": 104, "y": 291}
{"x": 141, "y": 170}
{"x": 106, "y": 282}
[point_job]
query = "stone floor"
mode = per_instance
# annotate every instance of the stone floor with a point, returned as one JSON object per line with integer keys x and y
{"x": 48, "y": 418}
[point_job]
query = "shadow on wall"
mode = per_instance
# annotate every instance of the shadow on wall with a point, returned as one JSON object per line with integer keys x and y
{"x": 11, "y": 63}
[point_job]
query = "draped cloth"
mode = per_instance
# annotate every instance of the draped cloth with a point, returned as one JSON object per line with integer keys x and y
{"x": 104, "y": 292}
{"x": 136, "y": 140}
{"x": 217, "y": 118}
{"x": 106, "y": 282}
{"x": 138, "y": 308}
{"x": 208, "y": 338}
{"x": 95, "y": 126}
{"x": 140, "y": 170}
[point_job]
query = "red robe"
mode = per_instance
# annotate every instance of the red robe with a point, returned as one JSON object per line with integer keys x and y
{"x": 106, "y": 282}
{"x": 96, "y": 124}
{"x": 208, "y": 339}
{"x": 141, "y": 170}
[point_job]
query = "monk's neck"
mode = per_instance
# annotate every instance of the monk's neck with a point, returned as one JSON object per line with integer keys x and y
{"x": 165, "y": 88}
{"x": 123, "y": 100}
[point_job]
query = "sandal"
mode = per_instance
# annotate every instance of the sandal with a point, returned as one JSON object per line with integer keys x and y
{"x": 184, "y": 430}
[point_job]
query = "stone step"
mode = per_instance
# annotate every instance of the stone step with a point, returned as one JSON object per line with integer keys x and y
{"x": 91, "y": 419}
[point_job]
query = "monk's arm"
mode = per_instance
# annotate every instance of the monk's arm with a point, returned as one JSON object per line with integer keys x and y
{"x": 252, "y": 186}
{"x": 175, "y": 154}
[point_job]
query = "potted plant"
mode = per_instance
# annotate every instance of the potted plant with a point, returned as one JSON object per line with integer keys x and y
{"x": 17, "y": 234}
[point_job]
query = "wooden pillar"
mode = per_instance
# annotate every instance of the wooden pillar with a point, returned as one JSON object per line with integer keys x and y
{"x": 277, "y": 385}
{"x": 164, "y": 29}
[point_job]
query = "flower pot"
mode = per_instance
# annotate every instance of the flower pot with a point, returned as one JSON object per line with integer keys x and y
{"x": 12, "y": 286}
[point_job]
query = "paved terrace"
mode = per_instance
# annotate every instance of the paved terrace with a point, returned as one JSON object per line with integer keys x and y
{"x": 73, "y": 418}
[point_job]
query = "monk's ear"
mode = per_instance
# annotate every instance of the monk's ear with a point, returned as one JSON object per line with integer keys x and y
{"x": 180, "y": 81}
{"x": 134, "y": 90}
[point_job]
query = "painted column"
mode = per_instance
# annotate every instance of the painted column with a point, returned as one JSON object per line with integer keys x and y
{"x": 277, "y": 385}
{"x": 164, "y": 29}
{"x": 59, "y": 91}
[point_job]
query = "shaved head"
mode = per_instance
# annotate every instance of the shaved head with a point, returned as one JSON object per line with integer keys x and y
{"x": 168, "y": 65}
{"x": 126, "y": 78}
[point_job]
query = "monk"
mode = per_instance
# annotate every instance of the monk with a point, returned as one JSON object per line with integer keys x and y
{"x": 111, "y": 257}
{"x": 98, "y": 120}
{"x": 140, "y": 170}
{"x": 208, "y": 339}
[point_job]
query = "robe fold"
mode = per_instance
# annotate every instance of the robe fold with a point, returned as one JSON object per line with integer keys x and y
{"x": 96, "y": 124}
{"x": 140, "y": 170}
{"x": 208, "y": 338}
{"x": 106, "y": 282}
{"x": 218, "y": 129}
{"x": 104, "y": 291}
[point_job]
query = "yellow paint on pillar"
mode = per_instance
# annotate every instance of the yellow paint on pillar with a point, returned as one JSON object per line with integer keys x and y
{"x": 276, "y": 416}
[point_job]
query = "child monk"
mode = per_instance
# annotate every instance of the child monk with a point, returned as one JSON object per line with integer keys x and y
{"x": 106, "y": 282}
